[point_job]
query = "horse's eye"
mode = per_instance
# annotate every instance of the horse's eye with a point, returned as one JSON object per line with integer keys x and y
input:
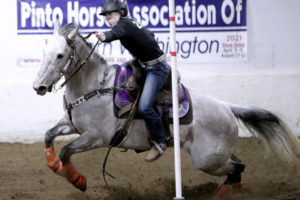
{"x": 59, "y": 56}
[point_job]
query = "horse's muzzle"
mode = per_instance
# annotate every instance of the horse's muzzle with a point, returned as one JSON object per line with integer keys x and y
{"x": 41, "y": 90}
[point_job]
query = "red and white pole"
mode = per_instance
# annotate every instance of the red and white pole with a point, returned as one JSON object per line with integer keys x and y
{"x": 176, "y": 133}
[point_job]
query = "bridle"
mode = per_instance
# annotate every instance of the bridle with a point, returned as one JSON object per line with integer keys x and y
{"x": 66, "y": 69}
{"x": 69, "y": 63}
{"x": 99, "y": 91}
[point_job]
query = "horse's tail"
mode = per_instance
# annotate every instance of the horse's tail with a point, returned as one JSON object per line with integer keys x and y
{"x": 274, "y": 133}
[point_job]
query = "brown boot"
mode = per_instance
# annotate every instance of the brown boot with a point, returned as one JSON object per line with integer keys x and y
{"x": 155, "y": 152}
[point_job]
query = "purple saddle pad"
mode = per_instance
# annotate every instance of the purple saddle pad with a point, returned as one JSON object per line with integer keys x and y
{"x": 121, "y": 99}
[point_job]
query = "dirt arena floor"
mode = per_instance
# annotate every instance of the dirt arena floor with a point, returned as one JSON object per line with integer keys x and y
{"x": 24, "y": 175}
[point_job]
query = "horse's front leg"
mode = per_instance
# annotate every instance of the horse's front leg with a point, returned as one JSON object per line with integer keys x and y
{"x": 86, "y": 141}
{"x": 62, "y": 128}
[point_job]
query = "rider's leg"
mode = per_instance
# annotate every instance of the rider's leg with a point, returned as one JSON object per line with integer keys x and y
{"x": 156, "y": 77}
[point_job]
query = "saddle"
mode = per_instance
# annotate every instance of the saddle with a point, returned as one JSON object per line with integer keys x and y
{"x": 131, "y": 77}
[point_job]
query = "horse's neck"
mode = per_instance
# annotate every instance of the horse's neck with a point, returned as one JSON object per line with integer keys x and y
{"x": 89, "y": 77}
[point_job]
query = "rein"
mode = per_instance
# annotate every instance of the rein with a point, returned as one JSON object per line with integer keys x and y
{"x": 71, "y": 43}
{"x": 118, "y": 138}
{"x": 121, "y": 134}
{"x": 93, "y": 93}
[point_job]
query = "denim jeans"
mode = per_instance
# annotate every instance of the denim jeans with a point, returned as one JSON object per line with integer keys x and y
{"x": 156, "y": 77}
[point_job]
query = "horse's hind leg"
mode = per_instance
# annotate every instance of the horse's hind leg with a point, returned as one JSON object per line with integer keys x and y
{"x": 233, "y": 180}
{"x": 235, "y": 176}
{"x": 218, "y": 164}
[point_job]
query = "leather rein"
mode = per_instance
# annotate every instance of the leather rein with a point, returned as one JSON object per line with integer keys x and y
{"x": 69, "y": 63}
{"x": 121, "y": 134}
{"x": 91, "y": 94}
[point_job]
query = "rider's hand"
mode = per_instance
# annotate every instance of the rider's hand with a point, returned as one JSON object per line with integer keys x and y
{"x": 101, "y": 36}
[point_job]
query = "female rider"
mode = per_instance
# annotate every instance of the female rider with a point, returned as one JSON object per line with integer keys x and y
{"x": 140, "y": 42}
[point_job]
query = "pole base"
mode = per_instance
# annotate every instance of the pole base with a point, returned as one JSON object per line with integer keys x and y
{"x": 180, "y": 198}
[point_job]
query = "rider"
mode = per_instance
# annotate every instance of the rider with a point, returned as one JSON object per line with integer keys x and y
{"x": 140, "y": 42}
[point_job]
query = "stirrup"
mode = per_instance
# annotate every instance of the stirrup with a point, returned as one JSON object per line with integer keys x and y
{"x": 156, "y": 151}
{"x": 160, "y": 147}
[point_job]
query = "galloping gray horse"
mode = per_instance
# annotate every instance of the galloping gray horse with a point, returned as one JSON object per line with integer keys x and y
{"x": 209, "y": 139}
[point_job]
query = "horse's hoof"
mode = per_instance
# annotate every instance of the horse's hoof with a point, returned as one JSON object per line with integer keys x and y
{"x": 80, "y": 183}
{"x": 236, "y": 186}
{"x": 225, "y": 188}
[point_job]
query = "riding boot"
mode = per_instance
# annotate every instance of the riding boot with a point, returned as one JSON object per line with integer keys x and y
{"x": 156, "y": 151}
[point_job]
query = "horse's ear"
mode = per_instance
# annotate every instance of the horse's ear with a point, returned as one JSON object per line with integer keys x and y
{"x": 56, "y": 27}
{"x": 73, "y": 34}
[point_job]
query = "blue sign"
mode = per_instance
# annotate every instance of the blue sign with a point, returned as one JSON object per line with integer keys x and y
{"x": 38, "y": 16}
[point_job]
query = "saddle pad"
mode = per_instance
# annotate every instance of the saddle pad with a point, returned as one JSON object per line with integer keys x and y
{"x": 121, "y": 99}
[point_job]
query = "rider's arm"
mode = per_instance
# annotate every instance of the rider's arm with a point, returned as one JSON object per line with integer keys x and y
{"x": 116, "y": 33}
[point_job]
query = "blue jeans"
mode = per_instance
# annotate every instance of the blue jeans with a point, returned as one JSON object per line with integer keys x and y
{"x": 156, "y": 77}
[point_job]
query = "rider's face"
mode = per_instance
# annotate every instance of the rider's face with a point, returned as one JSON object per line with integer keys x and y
{"x": 112, "y": 18}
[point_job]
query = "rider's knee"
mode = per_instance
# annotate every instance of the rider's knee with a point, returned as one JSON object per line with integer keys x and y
{"x": 144, "y": 109}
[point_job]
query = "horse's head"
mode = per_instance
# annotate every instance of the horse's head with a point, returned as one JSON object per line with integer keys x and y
{"x": 56, "y": 57}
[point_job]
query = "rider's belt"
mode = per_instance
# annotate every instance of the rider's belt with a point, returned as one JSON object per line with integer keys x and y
{"x": 154, "y": 62}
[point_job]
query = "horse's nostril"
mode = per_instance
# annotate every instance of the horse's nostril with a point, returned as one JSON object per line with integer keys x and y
{"x": 42, "y": 88}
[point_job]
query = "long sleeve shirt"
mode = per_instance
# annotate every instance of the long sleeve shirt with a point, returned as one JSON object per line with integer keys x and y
{"x": 138, "y": 40}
